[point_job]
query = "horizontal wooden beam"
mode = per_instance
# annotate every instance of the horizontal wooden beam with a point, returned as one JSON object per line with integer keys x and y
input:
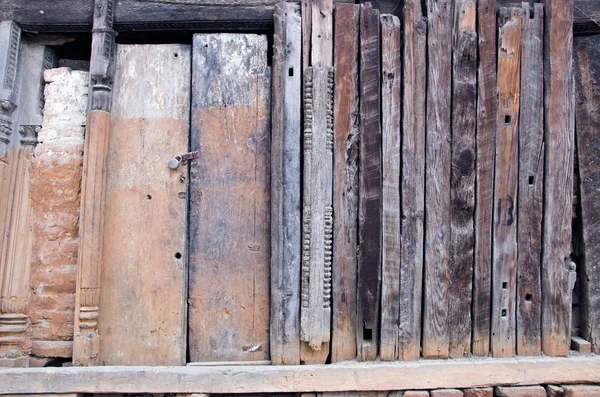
{"x": 199, "y": 15}
{"x": 350, "y": 376}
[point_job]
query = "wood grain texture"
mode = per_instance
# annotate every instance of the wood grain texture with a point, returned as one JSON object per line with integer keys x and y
{"x": 437, "y": 178}
{"x": 369, "y": 233}
{"x": 487, "y": 117}
{"x": 391, "y": 111}
{"x": 317, "y": 232}
{"x": 559, "y": 130}
{"x": 321, "y": 42}
{"x": 531, "y": 181}
{"x": 285, "y": 186}
{"x": 504, "y": 265}
{"x": 345, "y": 182}
{"x": 381, "y": 376}
{"x": 413, "y": 180}
{"x": 142, "y": 307}
{"x": 462, "y": 188}
{"x": 229, "y": 199}
{"x": 306, "y": 12}
{"x": 587, "y": 82}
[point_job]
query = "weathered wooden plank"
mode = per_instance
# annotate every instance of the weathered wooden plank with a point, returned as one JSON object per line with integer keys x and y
{"x": 306, "y": 11}
{"x": 370, "y": 182}
{"x": 321, "y": 41}
{"x": 381, "y": 376}
{"x": 559, "y": 130}
{"x": 317, "y": 240}
{"x": 587, "y": 81}
{"x": 413, "y": 180}
{"x": 437, "y": 178}
{"x": 86, "y": 339}
{"x": 144, "y": 245}
{"x": 285, "y": 186}
{"x": 229, "y": 199}
{"x": 462, "y": 188}
{"x": 531, "y": 181}
{"x": 390, "y": 223}
{"x": 345, "y": 182}
{"x": 487, "y": 110}
{"x": 504, "y": 265}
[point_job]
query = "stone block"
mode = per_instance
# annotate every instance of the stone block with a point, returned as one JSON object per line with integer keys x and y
{"x": 416, "y": 393}
{"x": 446, "y": 393}
{"x": 523, "y": 391}
{"x": 481, "y": 392}
{"x": 554, "y": 391}
{"x": 44, "y": 348}
{"x": 582, "y": 390}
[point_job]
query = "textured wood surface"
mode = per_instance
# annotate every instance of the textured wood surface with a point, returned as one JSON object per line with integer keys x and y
{"x": 504, "y": 265}
{"x": 487, "y": 117}
{"x": 390, "y": 139}
{"x": 321, "y": 41}
{"x": 229, "y": 199}
{"x": 142, "y": 307}
{"x": 369, "y": 233}
{"x": 413, "y": 180}
{"x": 382, "y": 376}
{"x": 437, "y": 178}
{"x": 531, "y": 182}
{"x": 285, "y": 186}
{"x": 587, "y": 80}
{"x": 317, "y": 232}
{"x": 462, "y": 188}
{"x": 559, "y": 130}
{"x": 345, "y": 182}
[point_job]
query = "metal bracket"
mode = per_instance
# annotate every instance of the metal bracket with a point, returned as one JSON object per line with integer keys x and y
{"x": 176, "y": 161}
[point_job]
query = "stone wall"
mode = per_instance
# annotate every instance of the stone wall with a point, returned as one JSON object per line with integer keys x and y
{"x": 55, "y": 191}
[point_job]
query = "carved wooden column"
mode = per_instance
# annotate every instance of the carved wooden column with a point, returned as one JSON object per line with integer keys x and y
{"x": 86, "y": 340}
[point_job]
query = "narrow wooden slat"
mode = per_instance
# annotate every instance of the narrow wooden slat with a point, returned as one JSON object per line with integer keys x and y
{"x": 345, "y": 182}
{"x": 437, "y": 178}
{"x": 229, "y": 199}
{"x": 321, "y": 42}
{"x": 462, "y": 193}
{"x": 558, "y": 180}
{"x": 506, "y": 184}
{"x": 369, "y": 260}
{"x": 587, "y": 79}
{"x": 531, "y": 182}
{"x": 146, "y": 268}
{"x": 413, "y": 180}
{"x": 390, "y": 139}
{"x": 306, "y": 11}
{"x": 285, "y": 186}
{"x": 487, "y": 111}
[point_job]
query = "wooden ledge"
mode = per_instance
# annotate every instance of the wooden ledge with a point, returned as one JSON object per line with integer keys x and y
{"x": 351, "y": 376}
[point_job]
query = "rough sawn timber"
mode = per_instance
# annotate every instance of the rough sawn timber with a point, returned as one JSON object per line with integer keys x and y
{"x": 285, "y": 186}
{"x": 559, "y": 144}
{"x": 504, "y": 263}
{"x": 345, "y": 182}
{"x": 369, "y": 233}
{"x": 437, "y": 178}
{"x": 382, "y": 376}
{"x": 413, "y": 180}
{"x": 531, "y": 182}
{"x": 229, "y": 199}
{"x": 142, "y": 309}
{"x": 390, "y": 139}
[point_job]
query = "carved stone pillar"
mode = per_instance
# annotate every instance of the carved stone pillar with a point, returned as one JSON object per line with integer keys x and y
{"x": 86, "y": 340}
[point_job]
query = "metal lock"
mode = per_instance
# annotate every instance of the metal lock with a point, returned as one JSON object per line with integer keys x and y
{"x": 176, "y": 161}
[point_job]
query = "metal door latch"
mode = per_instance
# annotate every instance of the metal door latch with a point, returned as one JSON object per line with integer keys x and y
{"x": 175, "y": 161}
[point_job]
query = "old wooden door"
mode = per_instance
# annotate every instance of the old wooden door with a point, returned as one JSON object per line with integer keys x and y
{"x": 229, "y": 240}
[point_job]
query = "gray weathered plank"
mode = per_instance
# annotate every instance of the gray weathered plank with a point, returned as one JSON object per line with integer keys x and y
{"x": 345, "y": 182}
{"x": 413, "y": 180}
{"x": 145, "y": 222}
{"x": 587, "y": 80}
{"x": 531, "y": 182}
{"x": 369, "y": 260}
{"x": 285, "y": 186}
{"x": 462, "y": 188}
{"x": 321, "y": 41}
{"x": 559, "y": 144}
{"x": 229, "y": 199}
{"x": 390, "y": 223}
{"x": 487, "y": 117}
{"x": 504, "y": 265}
{"x": 437, "y": 178}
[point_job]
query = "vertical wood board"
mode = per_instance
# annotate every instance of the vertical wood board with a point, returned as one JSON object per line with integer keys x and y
{"x": 229, "y": 199}
{"x": 142, "y": 305}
